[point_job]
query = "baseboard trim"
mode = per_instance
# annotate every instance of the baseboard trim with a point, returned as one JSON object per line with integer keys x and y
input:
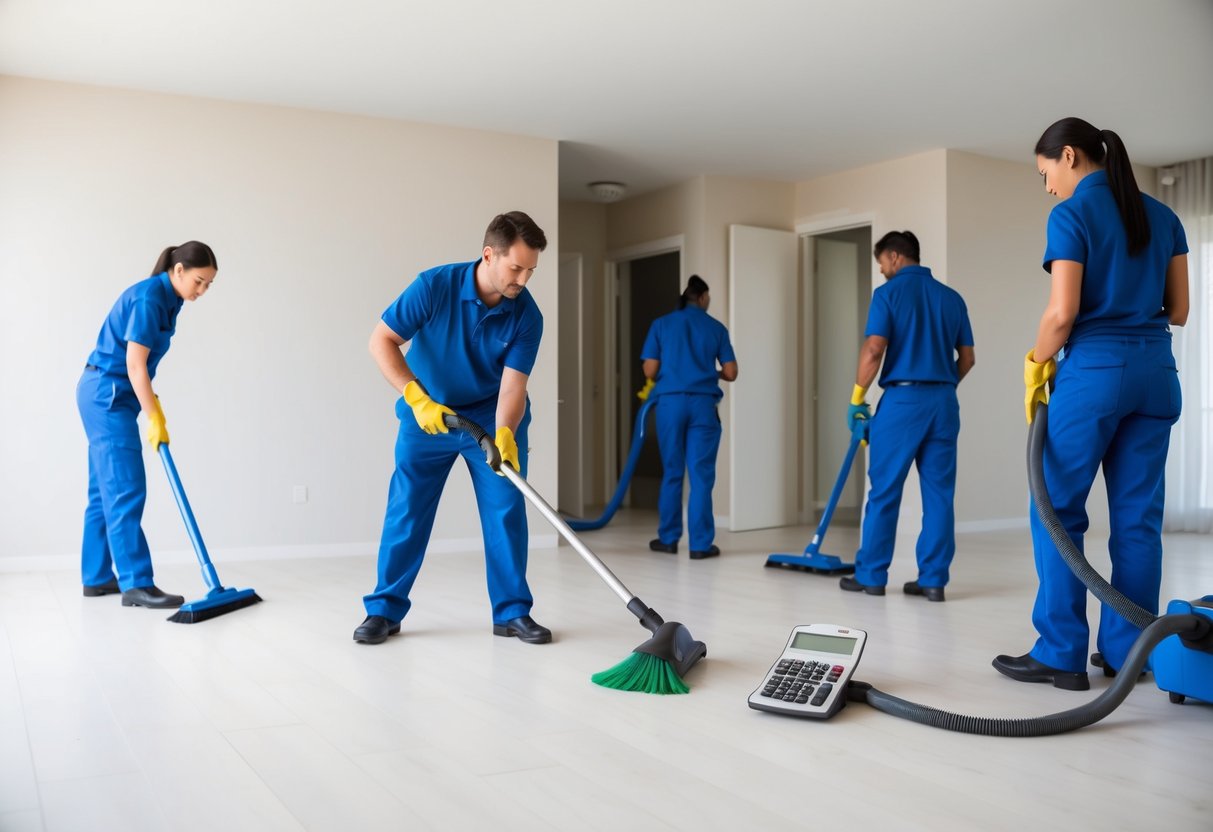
{"x": 1000, "y": 524}
{"x": 239, "y": 554}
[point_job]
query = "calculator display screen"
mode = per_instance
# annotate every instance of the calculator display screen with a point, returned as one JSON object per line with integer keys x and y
{"x": 824, "y": 644}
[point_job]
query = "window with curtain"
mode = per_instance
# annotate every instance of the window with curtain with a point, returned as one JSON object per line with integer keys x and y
{"x": 1188, "y": 189}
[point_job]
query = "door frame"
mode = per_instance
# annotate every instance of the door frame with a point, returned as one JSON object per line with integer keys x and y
{"x": 572, "y": 412}
{"x": 614, "y": 266}
{"x": 804, "y": 233}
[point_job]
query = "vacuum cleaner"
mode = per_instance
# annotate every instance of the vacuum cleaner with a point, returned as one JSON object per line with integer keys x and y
{"x": 813, "y": 560}
{"x": 672, "y": 647}
{"x": 1177, "y": 646}
{"x": 625, "y": 478}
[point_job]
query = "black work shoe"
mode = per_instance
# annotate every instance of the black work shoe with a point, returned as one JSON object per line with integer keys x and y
{"x": 525, "y": 628}
{"x": 110, "y": 587}
{"x": 151, "y": 597}
{"x": 1026, "y": 669}
{"x": 710, "y": 552}
{"x": 669, "y": 548}
{"x": 1097, "y": 659}
{"x": 375, "y": 630}
{"x": 849, "y": 584}
{"x": 932, "y": 593}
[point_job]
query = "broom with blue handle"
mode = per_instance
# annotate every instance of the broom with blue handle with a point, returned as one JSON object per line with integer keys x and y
{"x": 219, "y": 600}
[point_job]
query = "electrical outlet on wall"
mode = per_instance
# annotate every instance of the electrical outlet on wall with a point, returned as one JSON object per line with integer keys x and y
{"x": 299, "y": 494}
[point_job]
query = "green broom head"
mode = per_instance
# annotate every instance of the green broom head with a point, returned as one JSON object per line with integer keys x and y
{"x": 642, "y": 672}
{"x": 658, "y": 665}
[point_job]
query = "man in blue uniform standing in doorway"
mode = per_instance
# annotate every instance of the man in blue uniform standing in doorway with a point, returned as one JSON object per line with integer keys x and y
{"x": 919, "y": 328}
{"x": 686, "y": 355}
{"x": 473, "y": 332}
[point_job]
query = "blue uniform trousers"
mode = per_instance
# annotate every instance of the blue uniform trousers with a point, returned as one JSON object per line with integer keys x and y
{"x": 688, "y": 436}
{"x": 913, "y": 425}
{"x": 423, "y": 463}
{"x": 1114, "y": 403}
{"x": 117, "y": 485}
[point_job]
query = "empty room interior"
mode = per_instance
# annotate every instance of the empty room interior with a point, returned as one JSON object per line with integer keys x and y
{"x": 568, "y": 416}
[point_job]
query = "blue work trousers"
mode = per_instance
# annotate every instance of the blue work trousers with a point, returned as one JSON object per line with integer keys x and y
{"x": 913, "y": 425}
{"x": 423, "y": 463}
{"x": 1114, "y": 403}
{"x": 688, "y": 436}
{"x": 117, "y": 485}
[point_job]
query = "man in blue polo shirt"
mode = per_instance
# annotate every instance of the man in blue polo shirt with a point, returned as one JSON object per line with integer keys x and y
{"x": 473, "y": 332}
{"x": 919, "y": 328}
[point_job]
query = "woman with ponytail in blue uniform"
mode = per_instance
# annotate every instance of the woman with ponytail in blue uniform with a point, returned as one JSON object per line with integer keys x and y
{"x": 686, "y": 354}
{"x": 116, "y": 385}
{"x": 1119, "y": 281}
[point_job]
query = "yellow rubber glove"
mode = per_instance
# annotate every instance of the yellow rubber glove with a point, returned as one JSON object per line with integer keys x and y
{"x": 643, "y": 393}
{"x": 1036, "y": 382}
{"x": 156, "y": 431}
{"x": 859, "y": 409}
{"x": 508, "y": 448}
{"x": 426, "y": 411}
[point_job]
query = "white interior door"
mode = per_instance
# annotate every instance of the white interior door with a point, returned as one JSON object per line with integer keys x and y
{"x": 570, "y": 441}
{"x": 763, "y": 427}
{"x": 837, "y": 321}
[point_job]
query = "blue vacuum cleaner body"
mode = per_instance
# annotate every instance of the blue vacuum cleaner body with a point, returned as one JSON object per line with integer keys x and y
{"x": 1184, "y": 669}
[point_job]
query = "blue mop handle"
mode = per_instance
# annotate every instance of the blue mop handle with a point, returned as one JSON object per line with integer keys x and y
{"x": 858, "y": 433}
{"x": 191, "y": 525}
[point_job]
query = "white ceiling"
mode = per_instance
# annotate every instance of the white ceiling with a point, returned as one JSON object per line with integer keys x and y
{"x": 651, "y": 92}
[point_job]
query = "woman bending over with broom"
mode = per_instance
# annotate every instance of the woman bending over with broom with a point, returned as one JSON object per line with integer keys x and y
{"x": 116, "y": 385}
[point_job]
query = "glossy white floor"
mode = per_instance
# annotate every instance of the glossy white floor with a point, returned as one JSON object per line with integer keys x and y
{"x": 272, "y": 718}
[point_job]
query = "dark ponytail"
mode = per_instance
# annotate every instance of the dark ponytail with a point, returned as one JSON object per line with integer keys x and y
{"x": 1105, "y": 148}
{"x": 1128, "y": 195}
{"x": 192, "y": 255}
{"x": 696, "y": 288}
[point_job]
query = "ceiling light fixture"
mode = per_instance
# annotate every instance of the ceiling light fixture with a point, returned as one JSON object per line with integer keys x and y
{"x": 607, "y": 191}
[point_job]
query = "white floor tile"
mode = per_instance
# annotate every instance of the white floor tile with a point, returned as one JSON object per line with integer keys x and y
{"x": 29, "y": 821}
{"x": 117, "y": 801}
{"x": 321, "y": 787}
{"x": 272, "y": 718}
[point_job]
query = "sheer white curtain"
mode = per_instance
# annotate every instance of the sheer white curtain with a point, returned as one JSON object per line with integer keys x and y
{"x": 1188, "y": 189}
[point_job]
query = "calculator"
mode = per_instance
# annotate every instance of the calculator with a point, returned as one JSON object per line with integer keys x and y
{"x": 810, "y": 678}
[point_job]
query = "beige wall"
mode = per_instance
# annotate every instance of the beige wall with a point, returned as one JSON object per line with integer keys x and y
{"x": 896, "y": 195}
{"x": 318, "y": 221}
{"x": 668, "y": 212}
{"x": 997, "y": 213}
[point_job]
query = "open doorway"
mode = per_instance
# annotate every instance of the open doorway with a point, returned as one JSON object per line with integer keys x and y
{"x": 837, "y": 290}
{"x": 646, "y": 288}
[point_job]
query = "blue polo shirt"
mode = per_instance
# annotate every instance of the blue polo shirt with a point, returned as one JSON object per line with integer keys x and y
{"x": 459, "y": 347}
{"x": 145, "y": 314}
{"x": 924, "y": 322}
{"x": 688, "y": 343}
{"x": 1121, "y": 295}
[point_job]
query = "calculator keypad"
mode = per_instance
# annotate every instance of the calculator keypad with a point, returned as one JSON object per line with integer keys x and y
{"x": 802, "y": 682}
